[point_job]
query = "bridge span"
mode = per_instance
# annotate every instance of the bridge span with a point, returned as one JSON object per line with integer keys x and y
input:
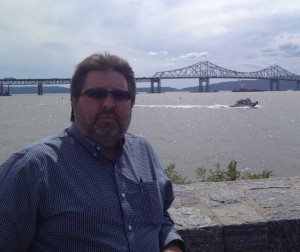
{"x": 203, "y": 71}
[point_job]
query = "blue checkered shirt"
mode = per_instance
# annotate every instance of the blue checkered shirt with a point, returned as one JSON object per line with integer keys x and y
{"x": 62, "y": 194}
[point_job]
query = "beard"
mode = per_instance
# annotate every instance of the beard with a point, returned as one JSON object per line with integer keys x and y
{"x": 107, "y": 132}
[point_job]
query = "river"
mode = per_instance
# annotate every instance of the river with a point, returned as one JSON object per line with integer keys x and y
{"x": 189, "y": 129}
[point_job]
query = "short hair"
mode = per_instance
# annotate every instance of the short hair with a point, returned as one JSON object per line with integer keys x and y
{"x": 102, "y": 62}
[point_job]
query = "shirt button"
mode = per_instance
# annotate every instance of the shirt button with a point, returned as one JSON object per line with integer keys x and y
{"x": 98, "y": 147}
{"x": 95, "y": 154}
{"x": 130, "y": 227}
{"x": 123, "y": 195}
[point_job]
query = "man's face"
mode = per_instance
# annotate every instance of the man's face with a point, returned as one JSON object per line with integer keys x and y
{"x": 104, "y": 120}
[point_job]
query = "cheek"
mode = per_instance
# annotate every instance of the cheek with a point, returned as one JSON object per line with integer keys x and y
{"x": 125, "y": 112}
{"x": 86, "y": 109}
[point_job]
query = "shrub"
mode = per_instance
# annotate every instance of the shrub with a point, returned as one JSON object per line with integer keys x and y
{"x": 230, "y": 173}
{"x": 175, "y": 177}
{"x": 262, "y": 175}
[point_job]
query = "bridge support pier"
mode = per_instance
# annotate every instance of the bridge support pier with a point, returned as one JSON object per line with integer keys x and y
{"x": 207, "y": 85}
{"x": 1, "y": 88}
{"x": 200, "y": 85}
{"x": 152, "y": 86}
{"x": 298, "y": 85}
{"x": 40, "y": 89}
{"x": 158, "y": 85}
{"x": 274, "y": 81}
{"x": 206, "y": 81}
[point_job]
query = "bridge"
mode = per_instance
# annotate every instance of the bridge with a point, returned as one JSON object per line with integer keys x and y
{"x": 203, "y": 71}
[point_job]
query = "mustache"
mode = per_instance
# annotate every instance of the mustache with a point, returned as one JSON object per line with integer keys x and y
{"x": 106, "y": 112}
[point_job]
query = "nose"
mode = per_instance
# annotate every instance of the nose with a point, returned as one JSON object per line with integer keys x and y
{"x": 108, "y": 102}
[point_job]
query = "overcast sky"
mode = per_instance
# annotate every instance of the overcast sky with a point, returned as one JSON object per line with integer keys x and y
{"x": 47, "y": 38}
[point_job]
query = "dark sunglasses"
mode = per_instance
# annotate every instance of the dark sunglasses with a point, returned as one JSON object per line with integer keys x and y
{"x": 99, "y": 93}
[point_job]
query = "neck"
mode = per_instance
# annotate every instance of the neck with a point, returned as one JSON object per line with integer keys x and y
{"x": 111, "y": 152}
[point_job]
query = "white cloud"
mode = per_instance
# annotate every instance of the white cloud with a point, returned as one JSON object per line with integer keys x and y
{"x": 193, "y": 55}
{"x": 190, "y": 56}
{"x": 158, "y": 53}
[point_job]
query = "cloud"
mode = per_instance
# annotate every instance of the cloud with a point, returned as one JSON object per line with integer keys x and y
{"x": 48, "y": 37}
{"x": 158, "y": 53}
{"x": 193, "y": 55}
{"x": 189, "y": 56}
{"x": 290, "y": 50}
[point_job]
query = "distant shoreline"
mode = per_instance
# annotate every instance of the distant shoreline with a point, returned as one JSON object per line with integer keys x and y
{"x": 230, "y": 86}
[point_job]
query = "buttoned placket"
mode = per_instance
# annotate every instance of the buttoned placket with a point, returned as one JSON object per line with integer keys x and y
{"x": 98, "y": 150}
{"x": 128, "y": 215}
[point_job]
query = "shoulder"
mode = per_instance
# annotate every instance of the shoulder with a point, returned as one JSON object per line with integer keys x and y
{"x": 136, "y": 138}
{"x": 140, "y": 148}
{"x": 45, "y": 145}
{"x": 137, "y": 141}
{"x": 37, "y": 151}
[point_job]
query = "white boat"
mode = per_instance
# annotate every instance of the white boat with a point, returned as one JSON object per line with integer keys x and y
{"x": 245, "y": 103}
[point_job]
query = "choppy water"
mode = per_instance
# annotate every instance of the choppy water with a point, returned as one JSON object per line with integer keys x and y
{"x": 188, "y": 129}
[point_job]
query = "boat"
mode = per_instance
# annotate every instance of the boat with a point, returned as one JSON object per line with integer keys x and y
{"x": 245, "y": 103}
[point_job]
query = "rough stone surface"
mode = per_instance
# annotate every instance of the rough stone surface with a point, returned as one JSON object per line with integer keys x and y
{"x": 284, "y": 235}
{"x": 221, "y": 196}
{"x": 238, "y": 214}
{"x": 273, "y": 198}
{"x": 285, "y": 214}
{"x": 245, "y": 216}
{"x": 203, "y": 239}
{"x": 253, "y": 237}
{"x": 190, "y": 218}
{"x": 187, "y": 198}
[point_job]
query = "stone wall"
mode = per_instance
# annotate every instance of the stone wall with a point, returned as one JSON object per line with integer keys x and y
{"x": 249, "y": 215}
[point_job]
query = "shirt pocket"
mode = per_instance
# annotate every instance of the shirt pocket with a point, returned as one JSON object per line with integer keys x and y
{"x": 153, "y": 205}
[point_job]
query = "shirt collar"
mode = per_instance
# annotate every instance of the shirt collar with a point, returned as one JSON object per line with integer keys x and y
{"x": 89, "y": 145}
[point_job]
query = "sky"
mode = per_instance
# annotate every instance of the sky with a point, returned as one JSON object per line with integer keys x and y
{"x": 48, "y": 38}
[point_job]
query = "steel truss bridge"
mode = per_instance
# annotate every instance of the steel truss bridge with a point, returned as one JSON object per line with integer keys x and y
{"x": 203, "y": 71}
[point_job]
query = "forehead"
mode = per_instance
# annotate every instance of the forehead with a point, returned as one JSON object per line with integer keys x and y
{"x": 105, "y": 79}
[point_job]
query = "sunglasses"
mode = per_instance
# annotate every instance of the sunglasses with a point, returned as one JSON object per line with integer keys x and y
{"x": 99, "y": 93}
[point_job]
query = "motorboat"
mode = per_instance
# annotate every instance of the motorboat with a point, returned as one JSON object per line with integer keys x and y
{"x": 245, "y": 103}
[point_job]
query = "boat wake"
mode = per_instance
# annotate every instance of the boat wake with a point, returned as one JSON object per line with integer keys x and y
{"x": 218, "y": 106}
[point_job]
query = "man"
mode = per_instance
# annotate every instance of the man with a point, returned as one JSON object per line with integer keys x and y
{"x": 91, "y": 187}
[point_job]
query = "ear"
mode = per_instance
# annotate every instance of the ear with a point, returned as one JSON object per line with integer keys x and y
{"x": 73, "y": 105}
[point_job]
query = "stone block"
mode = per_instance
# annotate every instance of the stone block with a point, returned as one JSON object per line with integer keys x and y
{"x": 207, "y": 239}
{"x": 237, "y": 214}
{"x": 222, "y": 196}
{"x": 284, "y": 235}
{"x": 273, "y": 198}
{"x": 190, "y": 218}
{"x": 246, "y": 237}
